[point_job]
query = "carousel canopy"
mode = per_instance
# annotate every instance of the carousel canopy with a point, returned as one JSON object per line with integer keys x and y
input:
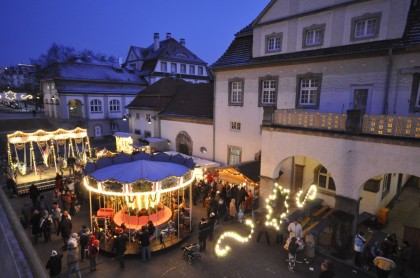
{"x": 140, "y": 169}
{"x": 60, "y": 134}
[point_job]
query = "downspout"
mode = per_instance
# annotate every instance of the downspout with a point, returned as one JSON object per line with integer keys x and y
{"x": 387, "y": 82}
{"x": 214, "y": 118}
{"x": 396, "y": 92}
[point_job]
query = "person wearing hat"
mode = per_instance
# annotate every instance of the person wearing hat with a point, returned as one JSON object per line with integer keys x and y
{"x": 65, "y": 228}
{"x": 83, "y": 234}
{"x": 119, "y": 246}
{"x": 54, "y": 264}
{"x": 93, "y": 251}
{"x": 36, "y": 230}
{"x": 72, "y": 256}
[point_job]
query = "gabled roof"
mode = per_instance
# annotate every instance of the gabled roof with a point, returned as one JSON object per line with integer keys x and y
{"x": 169, "y": 50}
{"x": 239, "y": 53}
{"x": 92, "y": 71}
{"x": 70, "y": 86}
{"x": 176, "y": 97}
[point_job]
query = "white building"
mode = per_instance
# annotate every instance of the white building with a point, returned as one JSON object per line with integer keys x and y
{"x": 167, "y": 58}
{"x": 90, "y": 94}
{"x": 326, "y": 92}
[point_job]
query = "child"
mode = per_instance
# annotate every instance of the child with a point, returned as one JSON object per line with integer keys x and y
{"x": 54, "y": 264}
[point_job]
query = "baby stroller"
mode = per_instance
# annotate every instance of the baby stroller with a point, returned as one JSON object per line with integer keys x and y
{"x": 191, "y": 252}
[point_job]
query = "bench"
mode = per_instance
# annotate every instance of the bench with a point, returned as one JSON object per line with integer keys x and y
{"x": 305, "y": 221}
{"x": 365, "y": 216}
{"x": 307, "y": 230}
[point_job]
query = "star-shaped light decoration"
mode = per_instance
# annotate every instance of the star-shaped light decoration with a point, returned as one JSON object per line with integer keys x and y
{"x": 276, "y": 212}
{"x": 10, "y": 95}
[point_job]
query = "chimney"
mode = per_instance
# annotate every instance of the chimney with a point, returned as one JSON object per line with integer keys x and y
{"x": 156, "y": 41}
{"x": 182, "y": 42}
{"x": 168, "y": 36}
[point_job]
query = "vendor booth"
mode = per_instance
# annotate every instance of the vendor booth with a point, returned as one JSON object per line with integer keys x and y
{"x": 132, "y": 191}
{"x": 124, "y": 141}
{"x": 201, "y": 165}
{"x": 246, "y": 173}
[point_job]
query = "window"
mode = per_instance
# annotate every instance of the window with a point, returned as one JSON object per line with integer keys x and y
{"x": 137, "y": 131}
{"x": 273, "y": 42}
{"x": 325, "y": 180}
{"x": 95, "y": 106}
{"x": 235, "y": 126}
{"x": 415, "y": 93}
{"x": 114, "y": 106}
{"x": 183, "y": 68}
{"x": 147, "y": 134}
{"x": 200, "y": 71}
{"x": 173, "y": 68}
{"x": 114, "y": 127}
{"x": 365, "y": 26}
{"x": 234, "y": 155}
{"x": 192, "y": 69}
{"x": 137, "y": 115}
{"x": 308, "y": 90}
{"x": 313, "y": 36}
{"x": 268, "y": 91}
{"x": 386, "y": 185}
{"x": 236, "y": 92}
{"x": 163, "y": 67}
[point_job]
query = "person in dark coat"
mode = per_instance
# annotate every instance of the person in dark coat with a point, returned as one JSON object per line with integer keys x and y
{"x": 65, "y": 228}
{"x": 33, "y": 194}
{"x": 54, "y": 264}
{"x": 119, "y": 246}
{"x": 211, "y": 223}
{"x": 36, "y": 230}
{"x": 202, "y": 233}
{"x": 145, "y": 243}
{"x": 327, "y": 271}
{"x": 45, "y": 225}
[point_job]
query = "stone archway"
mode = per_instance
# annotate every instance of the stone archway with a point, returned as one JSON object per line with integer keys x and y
{"x": 184, "y": 143}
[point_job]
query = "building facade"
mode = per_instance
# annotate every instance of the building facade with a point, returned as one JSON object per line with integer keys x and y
{"x": 167, "y": 58}
{"x": 90, "y": 94}
{"x": 326, "y": 93}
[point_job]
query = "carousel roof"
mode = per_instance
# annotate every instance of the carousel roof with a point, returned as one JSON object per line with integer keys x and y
{"x": 140, "y": 169}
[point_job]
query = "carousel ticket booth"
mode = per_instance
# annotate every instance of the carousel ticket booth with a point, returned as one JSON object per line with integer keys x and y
{"x": 131, "y": 191}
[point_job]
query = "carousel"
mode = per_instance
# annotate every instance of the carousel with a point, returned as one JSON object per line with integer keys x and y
{"x": 131, "y": 191}
{"x": 32, "y": 155}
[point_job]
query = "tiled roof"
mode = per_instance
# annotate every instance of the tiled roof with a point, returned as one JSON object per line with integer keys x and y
{"x": 176, "y": 97}
{"x": 68, "y": 86}
{"x": 239, "y": 52}
{"x": 192, "y": 100}
{"x": 169, "y": 50}
{"x": 105, "y": 72}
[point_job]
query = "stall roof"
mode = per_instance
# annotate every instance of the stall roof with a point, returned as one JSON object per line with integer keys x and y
{"x": 126, "y": 134}
{"x": 244, "y": 172}
{"x": 199, "y": 162}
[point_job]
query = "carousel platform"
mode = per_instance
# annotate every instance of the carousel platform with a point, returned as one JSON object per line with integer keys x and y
{"x": 43, "y": 179}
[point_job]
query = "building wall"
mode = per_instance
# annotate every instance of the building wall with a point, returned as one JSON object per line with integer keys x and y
{"x": 201, "y": 136}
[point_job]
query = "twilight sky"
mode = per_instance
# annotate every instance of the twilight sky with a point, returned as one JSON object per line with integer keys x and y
{"x": 29, "y": 27}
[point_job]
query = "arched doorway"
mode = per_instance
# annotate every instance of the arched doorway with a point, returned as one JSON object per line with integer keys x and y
{"x": 183, "y": 143}
{"x": 75, "y": 109}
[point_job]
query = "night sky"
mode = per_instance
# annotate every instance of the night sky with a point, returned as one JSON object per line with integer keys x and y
{"x": 29, "y": 27}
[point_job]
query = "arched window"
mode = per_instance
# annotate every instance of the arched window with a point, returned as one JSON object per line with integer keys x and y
{"x": 114, "y": 105}
{"x": 325, "y": 180}
{"x": 95, "y": 105}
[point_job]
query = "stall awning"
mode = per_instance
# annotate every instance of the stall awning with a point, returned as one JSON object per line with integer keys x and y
{"x": 199, "y": 162}
{"x": 248, "y": 172}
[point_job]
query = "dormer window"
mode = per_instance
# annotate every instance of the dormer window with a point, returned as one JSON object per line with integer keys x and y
{"x": 183, "y": 68}
{"x": 192, "y": 70}
{"x": 173, "y": 68}
{"x": 365, "y": 26}
{"x": 273, "y": 42}
{"x": 200, "y": 71}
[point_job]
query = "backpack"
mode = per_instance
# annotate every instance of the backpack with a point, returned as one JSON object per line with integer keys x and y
{"x": 94, "y": 250}
{"x": 84, "y": 239}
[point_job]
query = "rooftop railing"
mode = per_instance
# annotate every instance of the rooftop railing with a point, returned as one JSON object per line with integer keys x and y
{"x": 386, "y": 125}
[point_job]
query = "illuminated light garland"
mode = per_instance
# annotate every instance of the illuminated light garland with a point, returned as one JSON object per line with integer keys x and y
{"x": 10, "y": 95}
{"x": 271, "y": 221}
{"x": 221, "y": 252}
{"x": 26, "y": 97}
{"x": 311, "y": 194}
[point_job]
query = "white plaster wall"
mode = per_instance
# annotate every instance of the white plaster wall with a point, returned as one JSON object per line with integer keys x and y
{"x": 350, "y": 162}
{"x": 141, "y": 123}
{"x": 201, "y": 136}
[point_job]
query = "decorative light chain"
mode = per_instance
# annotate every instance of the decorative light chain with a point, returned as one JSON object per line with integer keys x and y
{"x": 221, "y": 252}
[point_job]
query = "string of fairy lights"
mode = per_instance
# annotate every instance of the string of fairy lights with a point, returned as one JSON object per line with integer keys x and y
{"x": 271, "y": 219}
